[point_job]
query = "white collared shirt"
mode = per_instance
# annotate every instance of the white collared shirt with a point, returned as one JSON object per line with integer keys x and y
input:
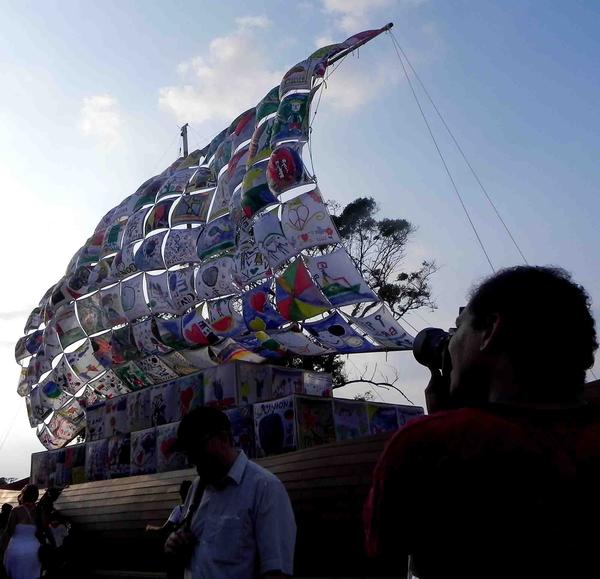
{"x": 245, "y": 528}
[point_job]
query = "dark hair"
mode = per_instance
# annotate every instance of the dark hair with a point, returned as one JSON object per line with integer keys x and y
{"x": 549, "y": 332}
{"x": 200, "y": 422}
{"x": 30, "y": 493}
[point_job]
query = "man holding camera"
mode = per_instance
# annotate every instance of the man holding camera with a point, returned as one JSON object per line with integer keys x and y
{"x": 238, "y": 520}
{"x": 494, "y": 482}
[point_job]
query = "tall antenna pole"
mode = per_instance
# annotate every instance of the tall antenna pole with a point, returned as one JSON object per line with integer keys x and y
{"x": 185, "y": 139}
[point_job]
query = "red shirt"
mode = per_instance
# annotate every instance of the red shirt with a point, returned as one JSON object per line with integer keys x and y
{"x": 489, "y": 493}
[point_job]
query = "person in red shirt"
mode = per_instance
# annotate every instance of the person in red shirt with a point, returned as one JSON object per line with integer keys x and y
{"x": 502, "y": 478}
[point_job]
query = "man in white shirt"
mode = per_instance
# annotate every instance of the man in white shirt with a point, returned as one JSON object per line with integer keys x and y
{"x": 239, "y": 521}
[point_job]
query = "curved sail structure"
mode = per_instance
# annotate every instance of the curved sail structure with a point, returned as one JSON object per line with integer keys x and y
{"x": 196, "y": 266}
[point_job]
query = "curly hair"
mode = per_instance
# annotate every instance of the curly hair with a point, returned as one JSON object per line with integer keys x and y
{"x": 549, "y": 332}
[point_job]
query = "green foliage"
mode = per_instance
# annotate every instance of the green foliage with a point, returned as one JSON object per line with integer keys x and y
{"x": 377, "y": 248}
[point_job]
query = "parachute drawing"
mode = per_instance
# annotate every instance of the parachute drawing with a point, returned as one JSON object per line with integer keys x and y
{"x": 204, "y": 264}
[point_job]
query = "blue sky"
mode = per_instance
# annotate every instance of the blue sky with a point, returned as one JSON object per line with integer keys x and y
{"x": 93, "y": 94}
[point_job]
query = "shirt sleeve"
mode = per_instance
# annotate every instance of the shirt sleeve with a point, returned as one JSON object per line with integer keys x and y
{"x": 176, "y": 515}
{"x": 275, "y": 528}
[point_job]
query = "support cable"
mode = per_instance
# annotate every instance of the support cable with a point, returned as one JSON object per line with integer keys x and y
{"x": 460, "y": 150}
{"x": 456, "y": 191}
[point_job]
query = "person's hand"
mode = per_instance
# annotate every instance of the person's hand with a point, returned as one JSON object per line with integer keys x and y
{"x": 437, "y": 392}
{"x": 180, "y": 542}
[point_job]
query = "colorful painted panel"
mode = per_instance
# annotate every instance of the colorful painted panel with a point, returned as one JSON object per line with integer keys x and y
{"x": 96, "y": 460}
{"x": 254, "y": 383}
{"x": 258, "y": 311}
{"x": 215, "y": 278}
{"x": 220, "y": 386}
{"x": 256, "y": 194}
{"x": 271, "y": 240}
{"x": 170, "y": 332}
{"x": 216, "y": 236}
{"x": 231, "y": 351}
{"x": 298, "y": 298}
{"x": 139, "y": 410}
{"x": 268, "y": 104}
{"x": 382, "y": 418}
{"x": 382, "y": 326}
{"x": 306, "y": 222}
{"x": 110, "y": 299}
{"x": 339, "y": 279}
{"x": 132, "y": 376}
{"x": 67, "y": 326}
{"x": 134, "y": 229}
{"x": 200, "y": 357}
{"x": 275, "y": 426}
{"x": 315, "y": 421}
{"x": 115, "y": 416}
{"x": 181, "y": 246}
{"x": 159, "y": 298}
{"x": 91, "y": 314}
{"x": 192, "y": 208}
{"x": 158, "y": 217}
{"x": 191, "y": 393}
{"x": 148, "y": 256}
{"x": 292, "y": 118}
{"x": 84, "y": 363}
{"x": 242, "y": 428}
{"x": 147, "y": 339}
{"x": 65, "y": 377}
{"x": 250, "y": 264}
{"x": 286, "y": 381}
{"x": 285, "y": 169}
{"x": 133, "y": 299}
{"x": 176, "y": 183}
{"x": 109, "y": 385}
{"x": 334, "y": 332}
{"x": 317, "y": 384}
{"x": 300, "y": 344}
{"x": 260, "y": 146}
{"x": 123, "y": 264}
{"x": 51, "y": 395}
{"x": 94, "y": 415}
{"x": 156, "y": 369}
{"x": 224, "y": 318}
{"x": 196, "y": 330}
{"x": 123, "y": 347}
{"x": 350, "y": 418}
{"x": 408, "y": 413}
{"x": 119, "y": 456}
{"x": 143, "y": 452}
{"x": 167, "y": 458}
{"x": 181, "y": 290}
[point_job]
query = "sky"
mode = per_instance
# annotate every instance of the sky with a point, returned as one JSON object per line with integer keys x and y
{"x": 93, "y": 94}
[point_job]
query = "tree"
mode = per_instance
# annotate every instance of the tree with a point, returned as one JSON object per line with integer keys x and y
{"x": 377, "y": 248}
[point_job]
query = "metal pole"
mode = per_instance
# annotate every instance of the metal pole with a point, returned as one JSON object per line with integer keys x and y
{"x": 185, "y": 139}
{"x": 359, "y": 44}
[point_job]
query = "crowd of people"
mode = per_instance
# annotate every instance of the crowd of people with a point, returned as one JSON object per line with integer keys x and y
{"x": 494, "y": 481}
{"x": 34, "y": 537}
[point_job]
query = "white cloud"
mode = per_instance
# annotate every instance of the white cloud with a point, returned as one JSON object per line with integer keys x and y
{"x": 358, "y": 82}
{"x": 101, "y": 119}
{"x": 324, "y": 40}
{"x": 231, "y": 77}
{"x": 354, "y": 15}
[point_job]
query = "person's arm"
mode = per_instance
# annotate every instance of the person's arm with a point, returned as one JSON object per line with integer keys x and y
{"x": 9, "y": 531}
{"x": 275, "y": 530}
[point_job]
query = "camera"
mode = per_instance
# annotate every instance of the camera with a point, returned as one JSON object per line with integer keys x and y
{"x": 430, "y": 348}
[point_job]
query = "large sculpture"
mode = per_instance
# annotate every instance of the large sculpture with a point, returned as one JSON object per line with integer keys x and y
{"x": 204, "y": 264}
